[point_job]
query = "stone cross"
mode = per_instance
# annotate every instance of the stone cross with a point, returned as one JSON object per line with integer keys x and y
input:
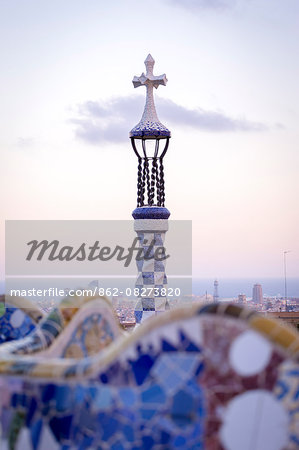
{"x": 150, "y": 81}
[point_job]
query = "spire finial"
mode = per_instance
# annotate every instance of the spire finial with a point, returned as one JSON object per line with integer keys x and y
{"x": 149, "y": 126}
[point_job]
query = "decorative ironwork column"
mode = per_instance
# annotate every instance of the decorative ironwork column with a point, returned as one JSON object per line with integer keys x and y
{"x": 150, "y": 141}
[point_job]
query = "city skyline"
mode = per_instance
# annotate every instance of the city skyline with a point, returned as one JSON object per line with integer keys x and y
{"x": 231, "y": 104}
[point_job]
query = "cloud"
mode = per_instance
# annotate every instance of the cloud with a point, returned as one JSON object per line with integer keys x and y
{"x": 202, "y": 4}
{"x": 25, "y": 142}
{"x": 205, "y": 120}
{"x": 111, "y": 121}
{"x": 108, "y": 121}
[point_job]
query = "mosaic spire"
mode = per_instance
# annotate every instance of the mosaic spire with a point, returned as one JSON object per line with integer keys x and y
{"x": 151, "y": 216}
{"x": 149, "y": 126}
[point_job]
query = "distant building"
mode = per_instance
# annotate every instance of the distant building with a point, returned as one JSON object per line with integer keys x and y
{"x": 242, "y": 299}
{"x": 216, "y": 294}
{"x": 291, "y": 318}
{"x": 257, "y": 294}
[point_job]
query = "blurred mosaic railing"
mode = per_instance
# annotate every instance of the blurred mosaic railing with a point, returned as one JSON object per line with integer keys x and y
{"x": 18, "y": 317}
{"x": 208, "y": 377}
{"x": 78, "y": 327}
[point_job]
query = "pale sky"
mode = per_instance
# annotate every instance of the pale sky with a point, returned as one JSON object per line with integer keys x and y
{"x": 231, "y": 102}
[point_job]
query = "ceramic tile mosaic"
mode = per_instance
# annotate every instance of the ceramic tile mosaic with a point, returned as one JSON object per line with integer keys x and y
{"x": 287, "y": 391}
{"x": 93, "y": 334}
{"x": 179, "y": 380}
{"x": 70, "y": 332}
{"x": 14, "y": 324}
{"x": 151, "y": 225}
{"x": 18, "y": 318}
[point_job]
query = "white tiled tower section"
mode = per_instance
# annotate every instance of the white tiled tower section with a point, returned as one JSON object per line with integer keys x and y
{"x": 151, "y": 280}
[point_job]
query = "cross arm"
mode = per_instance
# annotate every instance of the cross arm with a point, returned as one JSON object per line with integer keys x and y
{"x": 149, "y": 79}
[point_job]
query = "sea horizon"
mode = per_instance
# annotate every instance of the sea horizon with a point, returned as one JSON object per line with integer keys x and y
{"x": 232, "y": 287}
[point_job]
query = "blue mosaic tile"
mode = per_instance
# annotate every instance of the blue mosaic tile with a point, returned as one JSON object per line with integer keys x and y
{"x": 31, "y": 409}
{"x": 147, "y": 442}
{"x": 148, "y": 304}
{"x": 48, "y": 393}
{"x": 167, "y": 347}
{"x": 182, "y": 408}
{"x": 117, "y": 446}
{"x": 61, "y": 426}
{"x": 151, "y": 212}
{"x": 127, "y": 396}
{"x": 153, "y": 394}
{"x": 147, "y": 414}
{"x": 294, "y": 439}
{"x": 63, "y": 398}
{"x": 102, "y": 399}
{"x": 139, "y": 264}
{"x": 86, "y": 443}
{"x": 79, "y": 394}
{"x": 88, "y": 424}
{"x": 10, "y": 331}
{"x": 128, "y": 432}
{"x": 35, "y": 432}
{"x": 109, "y": 425}
{"x": 180, "y": 441}
{"x": 141, "y": 367}
{"x": 148, "y": 278}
